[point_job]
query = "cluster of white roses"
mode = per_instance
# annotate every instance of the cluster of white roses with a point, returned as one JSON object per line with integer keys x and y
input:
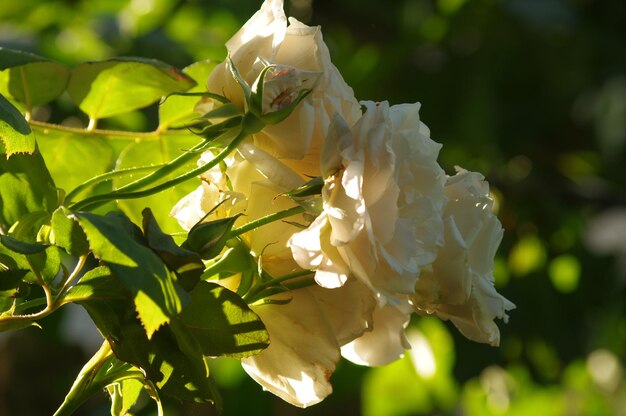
{"x": 395, "y": 234}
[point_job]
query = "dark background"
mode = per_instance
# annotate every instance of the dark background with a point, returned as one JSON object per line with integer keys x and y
{"x": 532, "y": 93}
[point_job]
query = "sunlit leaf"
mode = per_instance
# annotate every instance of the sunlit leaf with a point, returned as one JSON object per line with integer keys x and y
{"x": 29, "y": 226}
{"x": 124, "y": 394}
{"x": 115, "y": 240}
{"x": 25, "y": 186}
{"x": 66, "y": 233}
{"x": 74, "y": 157}
{"x": 33, "y": 80}
{"x": 106, "y": 88}
{"x": 98, "y": 284}
{"x": 47, "y": 264}
{"x": 15, "y": 132}
{"x": 176, "y": 110}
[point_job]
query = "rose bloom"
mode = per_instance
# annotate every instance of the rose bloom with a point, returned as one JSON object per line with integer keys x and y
{"x": 383, "y": 199}
{"x": 303, "y": 61}
{"x": 306, "y": 333}
{"x": 460, "y": 284}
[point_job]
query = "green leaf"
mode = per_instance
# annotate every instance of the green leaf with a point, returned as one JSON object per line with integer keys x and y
{"x": 124, "y": 395}
{"x": 10, "y": 58}
{"x": 33, "y": 79}
{"x": 106, "y": 88}
{"x": 21, "y": 247}
{"x": 47, "y": 264}
{"x": 176, "y": 110}
{"x": 108, "y": 302}
{"x": 118, "y": 242}
{"x": 29, "y": 226}
{"x": 187, "y": 265}
{"x": 97, "y": 284}
{"x": 10, "y": 279}
{"x": 38, "y": 83}
{"x": 177, "y": 374}
{"x": 25, "y": 186}
{"x": 174, "y": 374}
{"x": 222, "y": 323}
{"x": 66, "y": 233}
{"x": 15, "y": 132}
{"x": 74, "y": 157}
{"x": 12, "y": 260}
{"x": 209, "y": 238}
{"x": 103, "y": 370}
{"x": 146, "y": 153}
{"x": 9, "y": 283}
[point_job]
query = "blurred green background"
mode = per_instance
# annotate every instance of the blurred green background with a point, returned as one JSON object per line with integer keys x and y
{"x": 530, "y": 92}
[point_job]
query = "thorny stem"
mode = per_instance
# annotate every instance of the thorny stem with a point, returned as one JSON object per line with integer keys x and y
{"x": 122, "y": 193}
{"x": 266, "y": 220}
{"x": 82, "y": 384}
{"x": 119, "y": 134}
{"x": 70, "y": 279}
{"x": 108, "y": 176}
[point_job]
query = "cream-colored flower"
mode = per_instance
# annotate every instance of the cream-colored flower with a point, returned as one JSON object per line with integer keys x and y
{"x": 460, "y": 285}
{"x": 305, "y": 339}
{"x": 303, "y": 60}
{"x": 306, "y": 333}
{"x": 383, "y": 199}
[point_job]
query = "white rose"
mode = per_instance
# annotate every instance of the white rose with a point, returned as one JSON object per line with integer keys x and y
{"x": 296, "y": 49}
{"x": 305, "y": 339}
{"x": 306, "y": 333}
{"x": 460, "y": 285}
{"x": 383, "y": 199}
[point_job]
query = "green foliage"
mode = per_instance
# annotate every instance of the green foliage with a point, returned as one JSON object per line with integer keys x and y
{"x": 236, "y": 332}
{"x": 25, "y": 187}
{"x": 33, "y": 80}
{"x": 67, "y": 234}
{"x": 15, "y": 133}
{"x": 178, "y": 110}
{"x": 144, "y": 292}
{"x": 118, "y": 243}
{"x": 116, "y": 86}
{"x": 90, "y": 155}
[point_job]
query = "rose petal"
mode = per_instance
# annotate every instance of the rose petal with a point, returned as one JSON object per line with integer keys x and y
{"x": 387, "y": 340}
